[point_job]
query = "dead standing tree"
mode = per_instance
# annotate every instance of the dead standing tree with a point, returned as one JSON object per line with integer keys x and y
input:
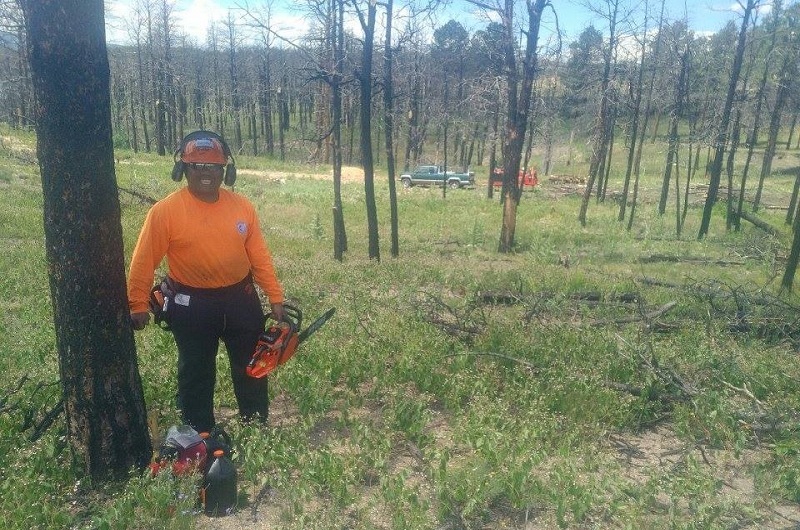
{"x": 518, "y": 103}
{"x": 330, "y": 70}
{"x": 388, "y": 103}
{"x": 722, "y": 133}
{"x": 364, "y": 76}
{"x": 103, "y": 398}
{"x": 602, "y": 133}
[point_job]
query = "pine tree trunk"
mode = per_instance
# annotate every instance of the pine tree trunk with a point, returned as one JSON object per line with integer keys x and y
{"x": 103, "y": 399}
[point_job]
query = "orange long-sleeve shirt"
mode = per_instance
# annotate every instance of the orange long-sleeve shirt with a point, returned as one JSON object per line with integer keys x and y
{"x": 207, "y": 245}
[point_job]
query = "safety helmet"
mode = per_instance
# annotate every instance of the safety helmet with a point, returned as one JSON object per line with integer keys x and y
{"x": 204, "y": 150}
{"x": 204, "y": 147}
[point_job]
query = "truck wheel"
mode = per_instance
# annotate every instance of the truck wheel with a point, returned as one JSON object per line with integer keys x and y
{"x": 406, "y": 183}
{"x": 454, "y": 184}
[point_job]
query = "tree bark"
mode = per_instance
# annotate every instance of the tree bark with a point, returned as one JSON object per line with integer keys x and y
{"x": 103, "y": 399}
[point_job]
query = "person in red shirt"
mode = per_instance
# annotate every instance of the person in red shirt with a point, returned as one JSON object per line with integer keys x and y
{"x": 216, "y": 255}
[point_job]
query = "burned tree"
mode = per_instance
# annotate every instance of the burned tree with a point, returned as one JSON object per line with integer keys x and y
{"x": 103, "y": 399}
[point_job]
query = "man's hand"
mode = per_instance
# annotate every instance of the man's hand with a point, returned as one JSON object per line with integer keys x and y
{"x": 139, "y": 320}
{"x": 278, "y": 312}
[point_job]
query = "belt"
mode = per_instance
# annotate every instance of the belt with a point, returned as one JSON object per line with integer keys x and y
{"x": 211, "y": 291}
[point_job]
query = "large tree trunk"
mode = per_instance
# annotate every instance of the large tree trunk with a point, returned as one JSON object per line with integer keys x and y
{"x": 794, "y": 257}
{"x": 104, "y": 403}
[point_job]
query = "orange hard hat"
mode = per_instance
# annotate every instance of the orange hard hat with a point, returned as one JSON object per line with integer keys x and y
{"x": 204, "y": 150}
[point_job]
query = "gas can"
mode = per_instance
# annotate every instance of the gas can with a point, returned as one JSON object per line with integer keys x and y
{"x": 220, "y": 488}
{"x": 216, "y": 439}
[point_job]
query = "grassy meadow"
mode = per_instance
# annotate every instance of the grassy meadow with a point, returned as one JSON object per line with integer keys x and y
{"x": 595, "y": 378}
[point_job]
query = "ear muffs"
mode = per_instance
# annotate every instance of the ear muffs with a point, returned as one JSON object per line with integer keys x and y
{"x": 179, "y": 167}
{"x": 230, "y": 174}
{"x": 177, "y": 170}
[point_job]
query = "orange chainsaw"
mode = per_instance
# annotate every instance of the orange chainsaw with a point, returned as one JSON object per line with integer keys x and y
{"x": 278, "y": 343}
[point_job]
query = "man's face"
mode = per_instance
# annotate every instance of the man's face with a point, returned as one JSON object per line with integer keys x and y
{"x": 205, "y": 180}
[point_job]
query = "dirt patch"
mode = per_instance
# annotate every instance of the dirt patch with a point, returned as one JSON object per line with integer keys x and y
{"x": 349, "y": 174}
{"x": 656, "y": 452}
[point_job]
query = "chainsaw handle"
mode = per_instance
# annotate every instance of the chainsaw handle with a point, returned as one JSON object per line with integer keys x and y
{"x": 277, "y": 312}
{"x": 291, "y": 314}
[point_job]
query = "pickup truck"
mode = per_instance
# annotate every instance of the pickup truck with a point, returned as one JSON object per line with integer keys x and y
{"x": 433, "y": 176}
{"x": 525, "y": 178}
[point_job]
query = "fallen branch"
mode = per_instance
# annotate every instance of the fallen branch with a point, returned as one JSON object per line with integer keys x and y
{"x": 763, "y": 225}
{"x": 4, "y": 400}
{"x": 652, "y": 315}
{"x": 665, "y": 375}
{"x": 141, "y": 196}
{"x": 744, "y": 391}
{"x": 47, "y": 421}
{"x": 658, "y": 258}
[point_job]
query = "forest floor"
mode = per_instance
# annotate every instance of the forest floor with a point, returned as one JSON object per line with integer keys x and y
{"x": 642, "y": 455}
{"x": 650, "y": 453}
{"x": 349, "y": 174}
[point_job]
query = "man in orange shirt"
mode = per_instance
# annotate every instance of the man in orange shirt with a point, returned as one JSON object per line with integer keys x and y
{"x": 215, "y": 254}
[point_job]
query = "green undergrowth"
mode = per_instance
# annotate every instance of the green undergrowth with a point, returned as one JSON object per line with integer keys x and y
{"x": 594, "y": 378}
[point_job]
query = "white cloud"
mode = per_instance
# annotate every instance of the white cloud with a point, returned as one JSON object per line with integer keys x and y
{"x": 191, "y": 17}
{"x": 194, "y": 17}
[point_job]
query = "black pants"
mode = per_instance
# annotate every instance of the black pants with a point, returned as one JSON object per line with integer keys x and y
{"x": 199, "y": 319}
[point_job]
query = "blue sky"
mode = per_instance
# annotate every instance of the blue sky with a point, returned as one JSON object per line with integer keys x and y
{"x": 194, "y": 16}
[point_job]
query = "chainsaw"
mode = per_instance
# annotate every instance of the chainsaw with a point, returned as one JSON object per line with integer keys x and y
{"x": 278, "y": 343}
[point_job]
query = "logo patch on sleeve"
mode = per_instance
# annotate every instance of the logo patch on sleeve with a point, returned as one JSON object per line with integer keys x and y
{"x": 241, "y": 227}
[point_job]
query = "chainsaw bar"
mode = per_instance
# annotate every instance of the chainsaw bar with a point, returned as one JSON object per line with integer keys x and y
{"x": 318, "y": 323}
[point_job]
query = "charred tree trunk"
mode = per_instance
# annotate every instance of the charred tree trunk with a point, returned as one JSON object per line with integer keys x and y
{"x": 103, "y": 399}
{"x": 672, "y": 150}
{"x": 365, "y": 83}
{"x": 753, "y": 138}
{"x": 493, "y": 147}
{"x": 602, "y": 131}
{"x": 388, "y": 99}
{"x": 637, "y": 107}
{"x": 236, "y": 102}
{"x": 265, "y": 99}
{"x": 722, "y": 134}
{"x": 787, "y": 73}
{"x": 519, "y": 104}
{"x": 337, "y": 47}
{"x": 794, "y": 257}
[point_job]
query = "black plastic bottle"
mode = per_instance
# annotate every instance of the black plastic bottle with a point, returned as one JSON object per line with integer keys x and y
{"x": 216, "y": 439}
{"x": 220, "y": 486}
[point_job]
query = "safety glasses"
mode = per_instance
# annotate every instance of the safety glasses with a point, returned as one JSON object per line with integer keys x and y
{"x": 206, "y": 167}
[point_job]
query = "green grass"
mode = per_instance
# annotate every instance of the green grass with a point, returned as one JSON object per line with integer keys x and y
{"x": 421, "y": 404}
